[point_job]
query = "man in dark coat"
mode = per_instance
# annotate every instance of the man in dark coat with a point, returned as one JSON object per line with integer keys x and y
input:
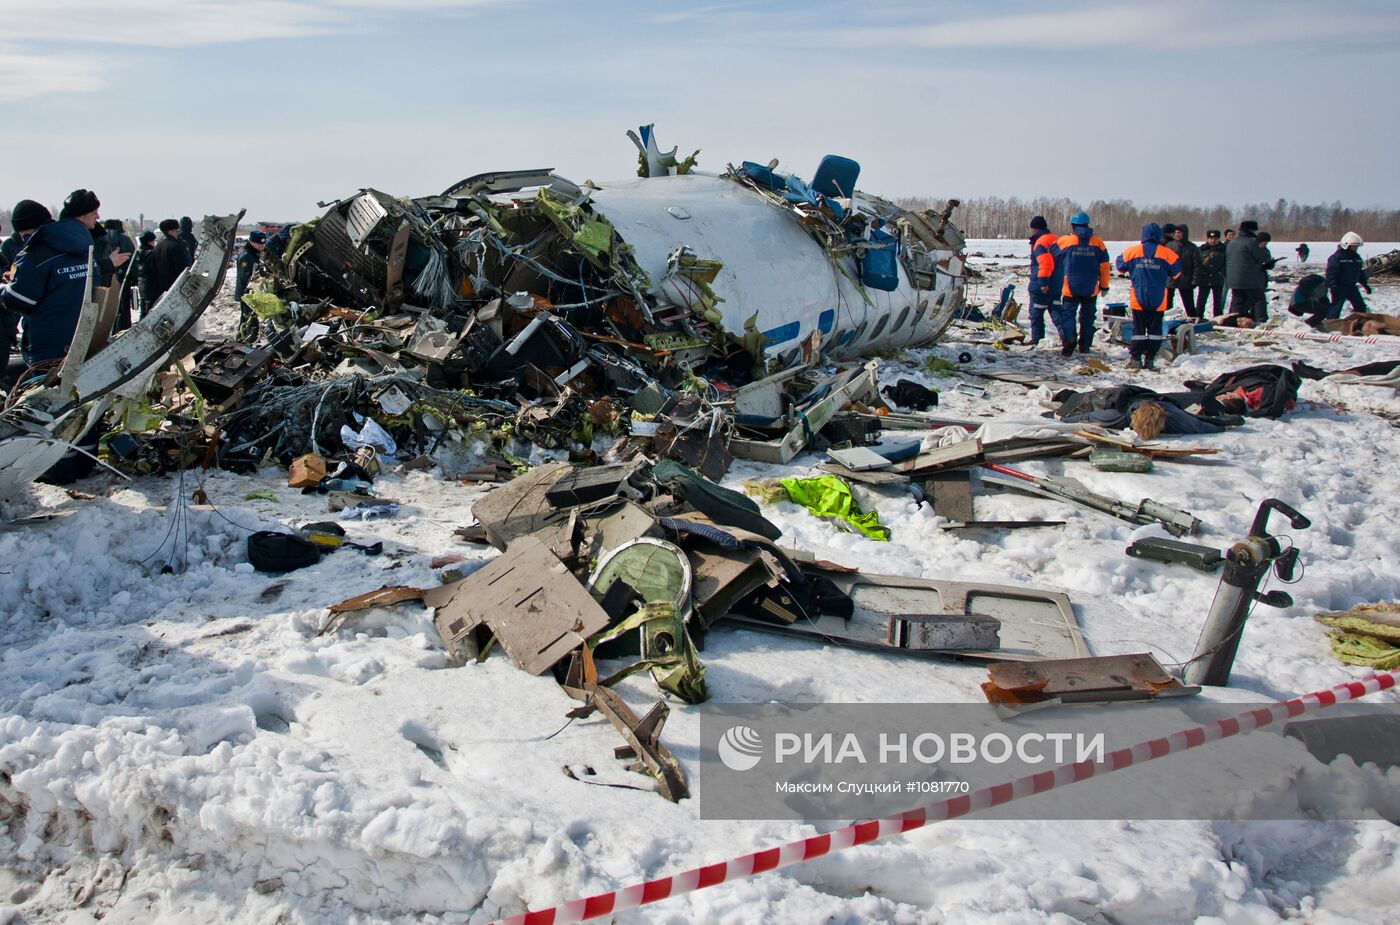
{"x": 1346, "y": 276}
{"x": 27, "y": 217}
{"x": 120, "y": 243}
{"x": 1210, "y": 274}
{"x": 51, "y": 279}
{"x": 1247, "y": 266}
{"x": 187, "y": 235}
{"x": 146, "y": 271}
{"x": 1309, "y": 300}
{"x": 248, "y": 262}
{"x": 1190, "y": 259}
{"x": 171, "y": 257}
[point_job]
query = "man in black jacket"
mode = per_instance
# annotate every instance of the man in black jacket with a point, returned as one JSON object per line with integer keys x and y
{"x": 1346, "y": 276}
{"x": 187, "y": 235}
{"x": 1247, "y": 266}
{"x": 1189, "y": 256}
{"x": 120, "y": 242}
{"x": 27, "y": 217}
{"x": 146, "y": 271}
{"x": 248, "y": 262}
{"x": 1210, "y": 274}
{"x": 171, "y": 257}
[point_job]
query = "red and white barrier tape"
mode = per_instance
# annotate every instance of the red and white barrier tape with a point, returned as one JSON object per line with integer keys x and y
{"x": 806, "y": 849}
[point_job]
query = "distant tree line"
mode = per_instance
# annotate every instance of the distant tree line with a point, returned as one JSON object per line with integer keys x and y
{"x": 1122, "y": 220}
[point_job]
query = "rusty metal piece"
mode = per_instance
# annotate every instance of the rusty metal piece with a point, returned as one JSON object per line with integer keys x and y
{"x": 1082, "y": 680}
{"x": 643, "y": 735}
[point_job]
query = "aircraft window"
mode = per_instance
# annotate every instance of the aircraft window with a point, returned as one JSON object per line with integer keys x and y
{"x": 903, "y": 317}
{"x": 879, "y": 327}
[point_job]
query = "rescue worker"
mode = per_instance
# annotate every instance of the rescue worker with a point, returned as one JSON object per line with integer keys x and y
{"x": 1247, "y": 266}
{"x": 1086, "y": 272}
{"x": 1190, "y": 257}
{"x": 248, "y": 262}
{"x": 1346, "y": 276}
{"x": 1210, "y": 275}
{"x": 171, "y": 257}
{"x": 1046, "y": 276}
{"x": 51, "y": 279}
{"x": 1151, "y": 267}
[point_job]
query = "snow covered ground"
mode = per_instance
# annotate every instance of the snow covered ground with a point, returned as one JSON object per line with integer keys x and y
{"x": 184, "y": 745}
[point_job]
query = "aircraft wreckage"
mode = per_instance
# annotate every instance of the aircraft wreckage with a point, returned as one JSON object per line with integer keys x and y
{"x": 701, "y": 312}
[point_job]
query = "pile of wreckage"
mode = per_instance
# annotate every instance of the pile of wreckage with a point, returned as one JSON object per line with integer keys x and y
{"x": 649, "y": 332}
{"x": 697, "y": 313}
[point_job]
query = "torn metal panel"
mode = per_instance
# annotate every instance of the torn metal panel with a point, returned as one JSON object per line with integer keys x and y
{"x": 1107, "y": 678}
{"x": 520, "y": 506}
{"x": 766, "y": 398}
{"x": 858, "y": 458}
{"x": 952, "y": 495}
{"x": 954, "y": 456}
{"x": 510, "y": 181}
{"x": 858, "y": 385}
{"x": 527, "y": 599}
{"x": 619, "y": 525}
{"x": 876, "y": 477}
{"x": 723, "y": 577}
{"x": 1034, "y": 624}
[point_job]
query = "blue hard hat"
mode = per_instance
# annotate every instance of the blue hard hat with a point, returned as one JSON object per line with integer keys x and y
{"x": 1079, "y": 218}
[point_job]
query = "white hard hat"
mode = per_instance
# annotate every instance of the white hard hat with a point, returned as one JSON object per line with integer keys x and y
{"x": 1352, "y": 239}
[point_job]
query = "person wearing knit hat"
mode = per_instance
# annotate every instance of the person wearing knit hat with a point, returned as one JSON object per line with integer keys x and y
{"x": 1247, "y": 266}
{"x": 26, "y": 217}
{"x": 1047, "y": 276}
{"x": 171, "y": 257}
{"x": 49, "y": 280}
{"x": 82, "y": 205}
{"x": 146, "y": 270}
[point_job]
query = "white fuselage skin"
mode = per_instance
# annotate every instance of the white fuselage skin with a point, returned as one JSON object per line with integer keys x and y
{"x": 774, "y": 267}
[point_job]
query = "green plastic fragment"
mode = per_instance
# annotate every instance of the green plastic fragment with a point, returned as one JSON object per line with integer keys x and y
{"x": 828, "y": 496}
{"x": 264, "y": 304}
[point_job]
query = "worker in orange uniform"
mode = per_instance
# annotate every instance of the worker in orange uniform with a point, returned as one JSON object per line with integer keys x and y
{"x": 1047, "y": 276}
{"x": 1087, "y": 276}
{"x": 1150, "y": 266}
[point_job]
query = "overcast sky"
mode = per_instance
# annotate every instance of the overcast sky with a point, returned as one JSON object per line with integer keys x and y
{"x": 198, "y": 106}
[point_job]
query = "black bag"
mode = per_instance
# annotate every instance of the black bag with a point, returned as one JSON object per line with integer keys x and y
{"x": 270, "y": 551}
{"x": 911, "y": 394}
